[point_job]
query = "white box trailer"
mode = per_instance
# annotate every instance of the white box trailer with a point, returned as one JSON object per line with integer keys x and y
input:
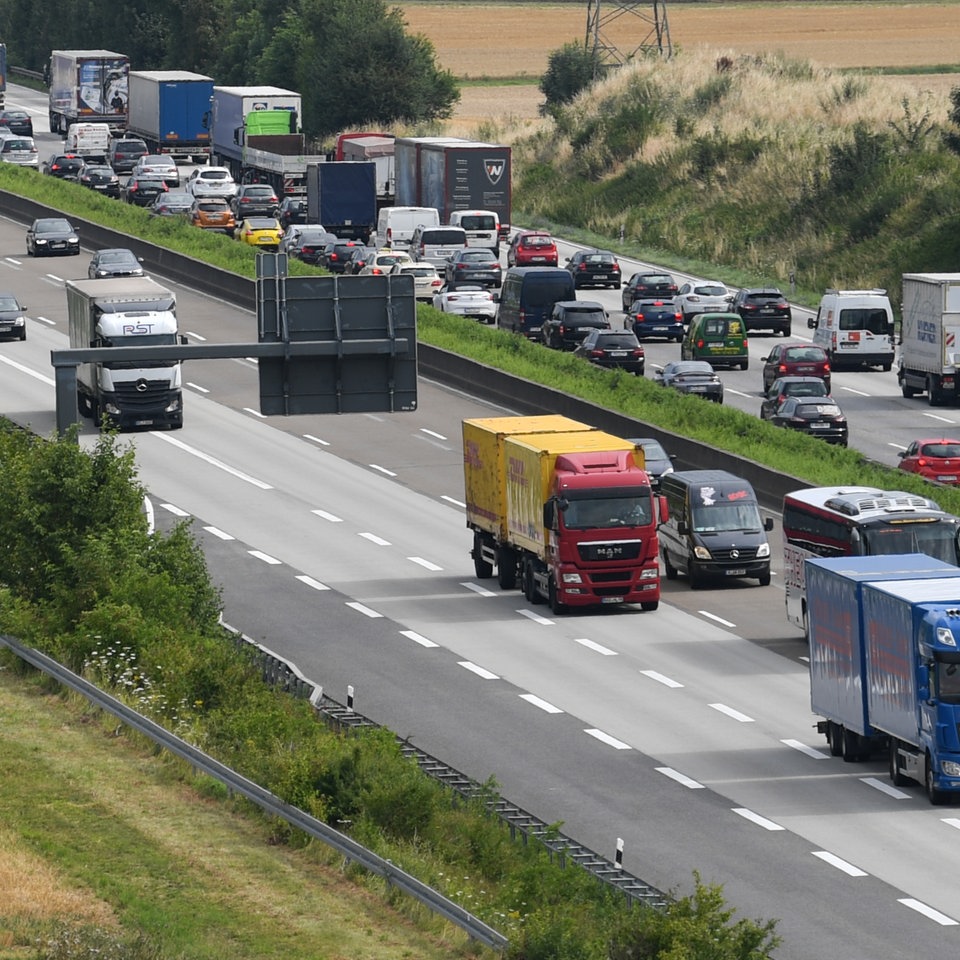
{"x": 930, "y": 337}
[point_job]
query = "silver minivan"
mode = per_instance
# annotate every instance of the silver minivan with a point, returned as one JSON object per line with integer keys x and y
{"x": 437, "y": 245}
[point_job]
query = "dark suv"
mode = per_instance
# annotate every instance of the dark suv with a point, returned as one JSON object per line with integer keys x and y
{"x": 594, "y": 268}
{"x": 763, "y": 309}
{"x": 17, "y": 121}
{"x": 571, "y": 321}
{"x": 124, "y": 154}
{"x": 255, "y": 200}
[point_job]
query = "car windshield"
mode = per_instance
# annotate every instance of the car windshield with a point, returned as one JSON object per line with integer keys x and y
{"x": 815, "y": 410}
{"x": 765, "y": 297}
{"x": 814, "y": 389}
{"x": 213, "y": 205}
{"x": 479, "y": 256}
{"x": 614, "y": 508}
{"x": 808, "y": 354}
{"x": 710, "y": 290}
{"x": 478, "y": 222}
{"x": 942, "y": 450}
{"x": 101, "y": 171}
{"x": 419, "y": 271}
{"x": 655, "y": 278}
{"x": 258, "y": 191}
{"x": 598, "y": 258}
{"x": 726, "y": 516}
{"x": 130, "y": 146}
{"x": 652, "y": 450}
{"x": 213, "y": 175}
{"x": 314, "y": 238}
{"x": 53, "y": 226}
{"x": 698, "y": 367}
{"x": 537, "y": 241}
{"x": 616, "y": 341}
{"x": 116, "y": 256}
{"x": 9, "y": 303}
{"x": 873, "y": 319}
{"x": 262, "y": 223}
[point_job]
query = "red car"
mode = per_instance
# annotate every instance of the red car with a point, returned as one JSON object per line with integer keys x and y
{"x": 795, "y": 360}
{"x": 532, "y": 248}
{"x": 934, "y": 459}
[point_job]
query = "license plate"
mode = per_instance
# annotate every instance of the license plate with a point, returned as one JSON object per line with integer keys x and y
{"x": 819, "y": 426}
{"x": 58, "y": 245}
{"x": 600, "y": 276}
{"x": 535, "y": 259}
{"x": 100, "y": 186}
{"x": 947, "y": 479}
{"x": 618, "y": 353}
{"x": 143, "y": 423}
{"x": 698, "y": 389}
{"x": 737, "y": 572}
{"x": 611, "y": 599}
{"x": 767, "y": 310}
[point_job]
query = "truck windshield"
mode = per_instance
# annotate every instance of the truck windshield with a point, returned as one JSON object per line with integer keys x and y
{"x": 948, "y": 682}
{"x": 936, "y": 538}
{"x": 727, "y": 516}
{"x": 613, "y": 508}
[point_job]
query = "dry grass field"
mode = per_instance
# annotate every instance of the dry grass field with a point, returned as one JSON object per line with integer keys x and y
{"x": 486, "y": 40}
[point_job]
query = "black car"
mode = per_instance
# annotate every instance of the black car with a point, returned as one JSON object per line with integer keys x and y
{"x": 17, "y": 121}
{"x": 612, "y": 348}
{"x": 292, "y": 210}
{"x": 784, "y": 387}
{"x": 763, "y": 309}
{"x": 114, "y": 262}
{"x": 13, "y": 320}
{"x": 656, "y": 461}
{"x": 143, "y": 190}
{"x": 474, "y": 265}
{"x": 337, "y": 253}
{"x": 100, "y": 178}
{"x": 594, "y": 268}
{"x": 358, "y": 259}
{"x": 52, "y": 235}
{"x": 66, "y": 166}
{"x": 818, "y": 416}
{"x": 124, "y": 153}
{"x": 255, "y": 200}
{"x": 695, "y": 377}
{"x": 648, "y": 285}
{"x": 175, "y": 203}
{"x": 655, "y": 318}
{"x": 310, "y": 245}
{"x": 570, "y": 321}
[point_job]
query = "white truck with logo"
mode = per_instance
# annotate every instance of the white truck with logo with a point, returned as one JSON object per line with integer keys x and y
{"x": 128, "y": 312}
{"x": 88, "y": 140}
{"x": 930, "y": 337}
{"x": 855, "y": 328}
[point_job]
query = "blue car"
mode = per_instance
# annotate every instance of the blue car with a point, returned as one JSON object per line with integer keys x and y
{"x": 655, "y": 318}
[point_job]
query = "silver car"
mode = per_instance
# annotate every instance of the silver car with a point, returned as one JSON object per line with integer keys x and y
{"x": 19, "y": 150}
{"x": 155, "y": 165}
{"x": 212, "y": 182}
{"x": 702, "y": 296}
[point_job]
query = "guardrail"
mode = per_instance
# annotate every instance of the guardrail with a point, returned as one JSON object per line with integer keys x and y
{"x": 24, "y": 72}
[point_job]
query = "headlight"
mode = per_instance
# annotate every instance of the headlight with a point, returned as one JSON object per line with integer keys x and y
{"x": 38, "y": 240}
{"x": 701, "y": 553}
{"x": 649, "y": 574}
{"x": 572, "y": 578}
{"x": 945, "y": 636}
{"x": 949, "y": 768}
{"x": 763, "y": 551}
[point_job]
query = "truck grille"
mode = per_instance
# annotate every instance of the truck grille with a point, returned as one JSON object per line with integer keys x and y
{"x": 742, "y": 553}
{"x": 609, "y": 550}
{"x": 143, "y": 394}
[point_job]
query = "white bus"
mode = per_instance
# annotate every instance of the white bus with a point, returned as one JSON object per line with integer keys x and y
{"x": 855, "y": 521}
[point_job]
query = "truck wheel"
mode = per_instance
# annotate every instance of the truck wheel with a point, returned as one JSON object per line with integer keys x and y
{"x": 649, "y": 605}
{"x": 834, "y": 738}
{"x": 896, "y": 777}
{"x": 850, "y": 747}
{"x": 906, "y": 390}
{"x": 530, "y": 591}
{"x": 83, "y": 404}
{"x": 669, "y": 569}
{"x": 506, "y": 568}
{"x": 934, "y": 399}
{"x": 935, "y": 796}
{"x": 886, "y": 367}
{"x": 556, "y": 607}
{"x": 482, "y": 568}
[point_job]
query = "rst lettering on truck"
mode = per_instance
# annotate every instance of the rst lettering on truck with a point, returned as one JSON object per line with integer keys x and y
{"x": 566, "y": 510}
{"x": 125, "y": 312}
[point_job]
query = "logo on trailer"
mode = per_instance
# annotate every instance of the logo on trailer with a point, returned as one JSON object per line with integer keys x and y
{"x": 494, "y": 169}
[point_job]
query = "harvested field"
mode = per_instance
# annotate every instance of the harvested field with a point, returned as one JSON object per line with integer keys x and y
{"x": 469, "y": 40}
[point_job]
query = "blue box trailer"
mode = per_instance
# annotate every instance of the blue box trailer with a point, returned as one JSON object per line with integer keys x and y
{"x": 342, "y": 195}
{"x": 171, "y": 110}
{"x": 838, "y": 686}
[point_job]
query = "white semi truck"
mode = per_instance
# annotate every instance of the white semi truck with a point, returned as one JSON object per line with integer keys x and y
{"x": 128, "y": 312}
{"x": 930, "y": 337}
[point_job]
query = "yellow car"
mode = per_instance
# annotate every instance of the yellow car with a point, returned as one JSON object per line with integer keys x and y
{"x": 260, "y": 232}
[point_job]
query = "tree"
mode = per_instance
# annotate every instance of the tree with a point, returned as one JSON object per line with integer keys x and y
{"x": 570, "y": 69}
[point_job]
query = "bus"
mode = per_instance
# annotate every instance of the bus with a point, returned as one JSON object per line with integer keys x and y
{"x": 858, "y": 521}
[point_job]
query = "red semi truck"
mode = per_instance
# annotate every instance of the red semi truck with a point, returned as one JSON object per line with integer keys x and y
{"x": 564, "y": 509}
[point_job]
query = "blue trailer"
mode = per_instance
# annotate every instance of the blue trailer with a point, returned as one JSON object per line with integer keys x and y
{"x": 865, "y": 676}
{"x": 170, "y": 110}
{"x": 342, "y": 195}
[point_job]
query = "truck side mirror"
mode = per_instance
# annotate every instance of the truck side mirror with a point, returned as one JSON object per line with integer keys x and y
{"x": 768, "y": 524}
{"x": 812, "y": 323}
{"x": 683, "y": 528}
{"x": 182, "y": 340}
{"x": 496, "y": 298}
{"x": 923, "y": 682}
{"x": 662, "y": 509}
{"x": 550, "y": 514}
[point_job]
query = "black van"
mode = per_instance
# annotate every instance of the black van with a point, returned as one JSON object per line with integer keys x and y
{"x": 528, "y": 295}
{"x": 714, "y": 529}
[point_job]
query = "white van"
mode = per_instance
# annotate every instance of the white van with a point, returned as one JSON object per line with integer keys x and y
{"x": 481, "y": 226}
{"x": 88, "y": 140}
{"x": 395, "y": 225}
{"x": 855, "y": 328}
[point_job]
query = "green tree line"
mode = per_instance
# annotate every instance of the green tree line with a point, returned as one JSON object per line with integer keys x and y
{"x": 353, "y": 61}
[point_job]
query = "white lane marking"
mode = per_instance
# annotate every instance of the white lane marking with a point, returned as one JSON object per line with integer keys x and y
{"x": 332, "y": 517}
{"x": 417, "y": 638}
{"x": 31, "y": 373}
{"x": 373, "y": 538}
{"x": 542, "y": 704}
{"x": 934, "y": 416}
{"x": 265, "y": 557}
{"x": 737, "y": 393}
{"x": 432, "y": 433}
{"x": 859, "y": 393}
{"x": 660, "y": 678}
{"x": 254, "y": 413}
{"x": 151, "y": 518}
{"x": 809, "y": 751}
{"x": 310, "y": 582}
{"x": 896, "y": 446}
{"x": 310, "y": 436}
{"x": 14, "y": 261}
{"x": 366, "y": 611}
{"x": 607, "y": 739}
{"x": 680, "y": 778}
{"x": 197, "y": 387}
{"x": 479, "y": 671}
{"x": 936, "y": 915}
{"x": 952, "y": 822}
{"x": 424, "y": 563}
{"x": 476, "y": 588}
{"x": 55, "y": 278}
{"x": 176, "y": 511}
{"x": 535, "y": 617}
{"x": 595, "y": 647}
{"x": 217, "y": 532}
{"x": 213, "y": 461}
{"x": 384, "y": 470}
{"x": 730, "y": 712}
{"x": 49, "y": 323}
{"x": 196, "y": 336}
{"x": 885, "y": 788}
{"x": 756, "y": 818}
{"x": 848, "y": 868}
{"x": 715, "y": 618}
{"x": 454, "y": 501}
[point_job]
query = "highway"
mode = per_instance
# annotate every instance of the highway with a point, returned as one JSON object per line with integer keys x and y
{"x": 340, "y": 543}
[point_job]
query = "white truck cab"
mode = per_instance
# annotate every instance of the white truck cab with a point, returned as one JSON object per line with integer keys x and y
{"x": 855, "y": 328}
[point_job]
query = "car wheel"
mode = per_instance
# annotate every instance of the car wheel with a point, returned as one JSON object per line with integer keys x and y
{"x": 23, "y": 335}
